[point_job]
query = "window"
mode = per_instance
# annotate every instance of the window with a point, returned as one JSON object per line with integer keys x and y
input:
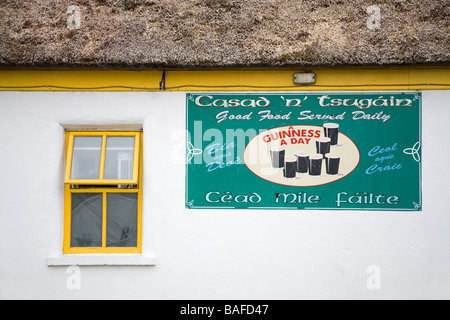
{"x": 103, "y": 192}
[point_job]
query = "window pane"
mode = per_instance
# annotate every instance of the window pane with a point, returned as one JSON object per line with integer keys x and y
{"x": 121, "y": 220}
{"x": 119, "y": 158}
{"x": 86, "y": 157}
{"x": 86, "y": 225}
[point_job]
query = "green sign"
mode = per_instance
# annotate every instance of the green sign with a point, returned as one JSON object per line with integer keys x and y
{"x": 350, "y": 151}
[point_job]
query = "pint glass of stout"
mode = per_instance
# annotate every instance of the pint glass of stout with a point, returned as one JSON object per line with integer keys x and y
{"x": 315, "y": 164}
{"x": 302, "y": 161}
{"x": 332, "y": 163}
{"x": 331, "y": 130}
{"x": 290, "y": 167}
{"x": 323, "y": 145}
{"x": 277, "y": 154}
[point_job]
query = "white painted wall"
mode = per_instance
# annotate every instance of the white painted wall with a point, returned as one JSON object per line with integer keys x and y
{"x": 225, "y": 254}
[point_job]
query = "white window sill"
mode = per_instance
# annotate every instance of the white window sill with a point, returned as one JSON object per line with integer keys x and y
{"x": 101, "y": 260}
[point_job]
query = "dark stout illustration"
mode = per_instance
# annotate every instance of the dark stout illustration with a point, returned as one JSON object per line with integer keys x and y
{"x": 277, "y": 154}
{"x": 302, "y": 162}
{"x": 290, "y": 167}
{"x": 323, "y": 145}
{"x": 331, "y": 130}
{"x": 315, "y": 164}
{"x": 332, "y": 163}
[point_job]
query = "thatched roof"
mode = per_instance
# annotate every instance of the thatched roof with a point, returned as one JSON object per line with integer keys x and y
{"x": 223, "y": 33}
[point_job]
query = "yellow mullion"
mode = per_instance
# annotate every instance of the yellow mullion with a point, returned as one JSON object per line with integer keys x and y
{"x": 98, "y": 250}
{"x": 102, "y": 158}
{"x": 69, "y": 156}
{"x": 136, "y": 161}
{"x": 101, "y": 182}
{"x": 101, "y": 190}
{"x": 117, "y": 132}
{"x": 110, "y": 133}
{"x": 67, "y": 218}
{"x": 140, "y": 195}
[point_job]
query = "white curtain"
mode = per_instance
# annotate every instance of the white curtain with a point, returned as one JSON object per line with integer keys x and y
{"x": 121, "y": 219}
{"x": 87, "y": 212}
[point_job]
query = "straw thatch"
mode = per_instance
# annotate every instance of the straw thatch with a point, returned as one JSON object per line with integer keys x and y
{"x": 223, "y": 33}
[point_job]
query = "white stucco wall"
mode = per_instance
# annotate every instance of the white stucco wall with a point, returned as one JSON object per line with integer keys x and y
{"x": 224, "y": 254}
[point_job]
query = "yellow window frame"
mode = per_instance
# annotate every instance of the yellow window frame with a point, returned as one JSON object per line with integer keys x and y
{"x": 101, "y": 180}
{"x": 102, "y": 186}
